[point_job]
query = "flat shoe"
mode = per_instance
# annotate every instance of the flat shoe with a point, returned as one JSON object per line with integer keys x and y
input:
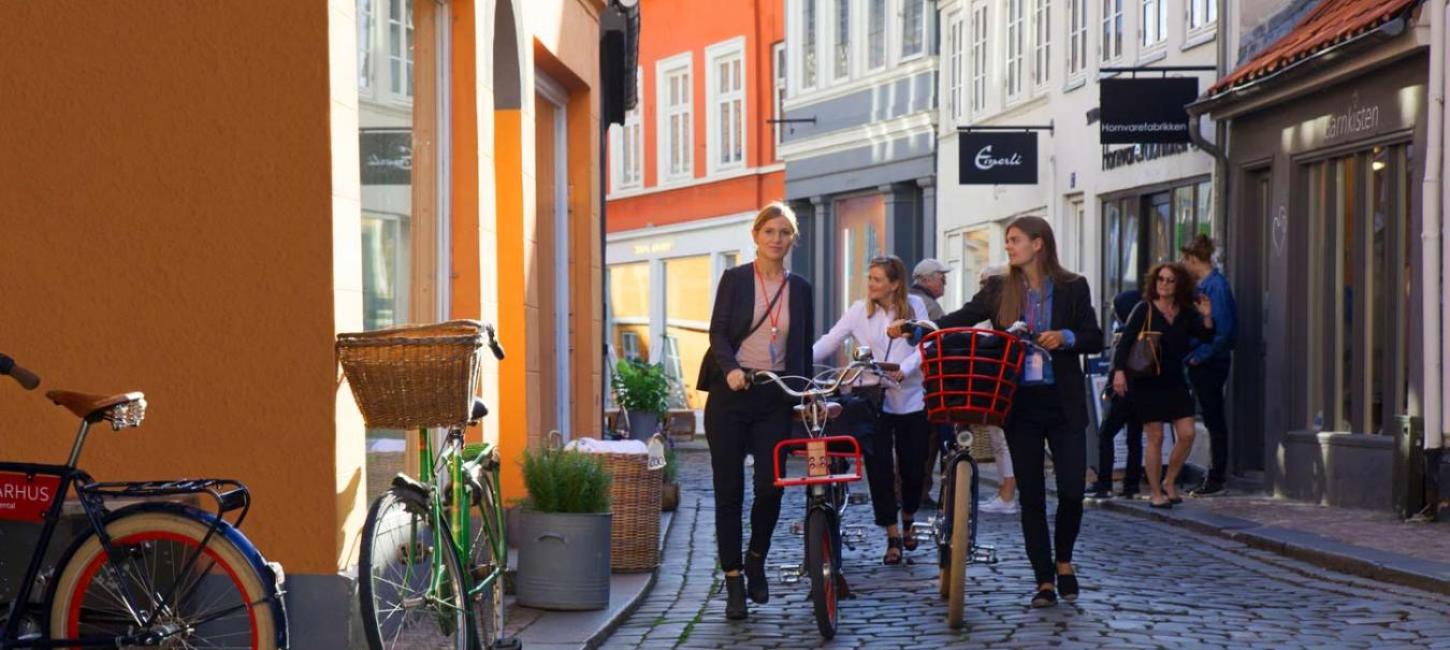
{"x": 1044, "y": 598}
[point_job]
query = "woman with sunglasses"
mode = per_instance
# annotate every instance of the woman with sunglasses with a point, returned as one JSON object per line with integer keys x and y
{"x": 1167, "y": 310}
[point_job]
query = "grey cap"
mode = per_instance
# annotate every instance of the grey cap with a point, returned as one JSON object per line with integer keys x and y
{"x": 927, "y": 267}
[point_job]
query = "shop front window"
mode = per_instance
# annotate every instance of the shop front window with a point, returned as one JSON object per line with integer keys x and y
{"x": 629, "y": 300}
{"x": 976, "y": 257}
{"x": 861, "y": 231}
{"x": 687, "y": 326}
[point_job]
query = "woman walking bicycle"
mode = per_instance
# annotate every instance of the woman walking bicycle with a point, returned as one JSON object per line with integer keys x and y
{"x": 1050, "y": 404}
{"x": 761, "y": 321}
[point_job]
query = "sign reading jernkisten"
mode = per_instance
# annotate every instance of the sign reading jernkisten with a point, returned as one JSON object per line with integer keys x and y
{"x": 997, "y": 158}
{"x": 1146, "y": 111}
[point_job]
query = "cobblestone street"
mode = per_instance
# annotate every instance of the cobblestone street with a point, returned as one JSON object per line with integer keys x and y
{"x": 1145, "y": 585}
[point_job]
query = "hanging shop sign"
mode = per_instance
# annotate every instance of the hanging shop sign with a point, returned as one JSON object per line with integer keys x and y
{"x": 997, "y": 158}
{"x": 1146, "y": 111}
{"x": 387, "y": 156}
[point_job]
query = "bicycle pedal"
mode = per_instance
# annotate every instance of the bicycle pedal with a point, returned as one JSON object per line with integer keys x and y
{"x": 858, "y": 499}
{"x": 789, "y": 574}
{"x": 798, "y": 527}
{"x": 853, "y": 534}
{"x": 924, "y": 532}
{"x": 511, "y": 643}
{"x": 984, "y": 555}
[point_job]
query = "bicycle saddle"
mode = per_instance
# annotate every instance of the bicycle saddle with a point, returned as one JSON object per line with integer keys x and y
{"x": 85, "y": 405}
{"x": 833, "y": 410}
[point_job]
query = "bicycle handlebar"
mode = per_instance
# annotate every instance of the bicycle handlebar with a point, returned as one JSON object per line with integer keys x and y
{"x": 853, "y": 371}
{"x": 27, "y": 379}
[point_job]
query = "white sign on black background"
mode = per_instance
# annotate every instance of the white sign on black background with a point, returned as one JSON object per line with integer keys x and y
{"x": 997, "y": 158}
{"x": 1146, "y": 111}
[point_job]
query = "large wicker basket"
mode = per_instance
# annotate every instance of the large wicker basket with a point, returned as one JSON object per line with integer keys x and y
{"x": 634, "y": 495}
{"x": 415, "y": 376}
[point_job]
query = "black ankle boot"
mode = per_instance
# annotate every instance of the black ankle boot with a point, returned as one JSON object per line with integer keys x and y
{"x": 755, "y": 582}
{"x": 735, "y": 598}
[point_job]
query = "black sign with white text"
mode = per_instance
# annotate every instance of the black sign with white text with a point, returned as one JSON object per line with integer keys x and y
{"x": 1146, "y": 111}
{"x": 997, "y": 158}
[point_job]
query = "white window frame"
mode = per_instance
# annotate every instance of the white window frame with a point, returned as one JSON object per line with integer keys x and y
{"x": 841, "y": 70}
{"x": 404, "y": 95}
{"x": 923, "y": 25}
{"x": 1041, "y": 42}
{"x": 1153, "y": 26}
{"x": 1202, "y": 15}
{"x": 1015, "y": 63}
{"x": 807, "y": 54}
{"x": 664, "y": 70}
{"x": 885, "y": 36}
{"x": 1077, "y": 35}
{"x": 956, "y": 67}
{"x": 367, "y": 32}
{"x": 780, "y": 77}
{"x": 725, "y": 52}
{"x": 981, "y": 57}
{"x": 621, "y": 176}
{"x": 1112, "y": 24}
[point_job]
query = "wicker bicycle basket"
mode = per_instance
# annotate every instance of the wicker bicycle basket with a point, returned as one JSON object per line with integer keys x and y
{"x": 414, "y": 376}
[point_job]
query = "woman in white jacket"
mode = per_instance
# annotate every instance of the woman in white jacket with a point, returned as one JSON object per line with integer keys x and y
{"x": 903, "y": 424}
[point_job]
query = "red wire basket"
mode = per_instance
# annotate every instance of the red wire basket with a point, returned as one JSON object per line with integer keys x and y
{"x": 970, "y": 375}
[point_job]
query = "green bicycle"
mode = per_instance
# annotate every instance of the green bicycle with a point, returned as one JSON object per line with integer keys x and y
{"x": 434, "y": 549}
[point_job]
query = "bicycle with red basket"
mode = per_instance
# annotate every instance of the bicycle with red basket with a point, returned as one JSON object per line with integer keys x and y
{"x": 970, "y": 377}
{"x": 832, "y": 462}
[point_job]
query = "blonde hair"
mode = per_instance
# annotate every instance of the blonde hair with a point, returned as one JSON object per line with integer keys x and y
{"x": 895, "y": 271}
{"x": 772, "y": 210}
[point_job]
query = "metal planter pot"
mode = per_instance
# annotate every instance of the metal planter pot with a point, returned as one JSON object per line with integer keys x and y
{"x": 563, "y": 560}
{"x": 643, "y": 425}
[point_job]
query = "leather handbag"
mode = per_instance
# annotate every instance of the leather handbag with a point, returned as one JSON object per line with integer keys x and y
{"x": 1145, "y": 358}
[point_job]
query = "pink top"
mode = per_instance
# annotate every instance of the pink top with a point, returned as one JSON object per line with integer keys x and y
{"x": 755, "y": 351}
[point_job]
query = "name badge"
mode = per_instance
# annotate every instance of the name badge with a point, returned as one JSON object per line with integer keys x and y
{"x": 1034, "y": 368}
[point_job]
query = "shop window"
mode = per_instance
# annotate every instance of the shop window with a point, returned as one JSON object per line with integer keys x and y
{"x": 687, "y": 326}
{"x": 861, "y": 233}
{"x": 976, "y": 257}
{"x": 629, "y": 304}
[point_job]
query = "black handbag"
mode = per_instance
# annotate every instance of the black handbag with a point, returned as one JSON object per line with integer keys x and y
{"x": 1145, "y": 358}
{"x": 710, "y": 368}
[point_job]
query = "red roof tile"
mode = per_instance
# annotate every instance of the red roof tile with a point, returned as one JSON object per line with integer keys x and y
{"x": 1331, "y": 23}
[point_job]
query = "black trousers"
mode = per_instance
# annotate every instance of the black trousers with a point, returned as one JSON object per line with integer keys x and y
{"x": 736, "y": 424}
{"x": 937, "y": 435}
{"x": 1120, "y": 413}
{"x": 1208, "y": 380}
{"x": 898, "y": 445}
{"x": 1038, "y": 415}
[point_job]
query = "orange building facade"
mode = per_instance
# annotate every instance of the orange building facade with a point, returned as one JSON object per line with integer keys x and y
{"x": 687, "y": 171}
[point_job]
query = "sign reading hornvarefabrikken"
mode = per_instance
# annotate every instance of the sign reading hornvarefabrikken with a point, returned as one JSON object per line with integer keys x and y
{"x": 997, "y": 158}
{"x": 1146, "y": 111}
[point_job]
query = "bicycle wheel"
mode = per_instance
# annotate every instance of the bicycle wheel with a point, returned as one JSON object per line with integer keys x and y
{"x": 219, "y": 600}
{"x": 962, "y": 506}
{"x": 820, "y": 563}
{"x": 411, "y": 590}
{"x": 487, "y": 528}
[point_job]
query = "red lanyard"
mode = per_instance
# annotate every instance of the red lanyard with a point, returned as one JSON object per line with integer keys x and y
{"x": 774, "y": 318}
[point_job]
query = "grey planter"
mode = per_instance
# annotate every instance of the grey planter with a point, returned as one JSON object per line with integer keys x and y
{"x": 563, "y": 560}
{"x": 643, "y": 425}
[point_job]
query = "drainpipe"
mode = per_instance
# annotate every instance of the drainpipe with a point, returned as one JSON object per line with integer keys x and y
{"x": 1431, "y": 241}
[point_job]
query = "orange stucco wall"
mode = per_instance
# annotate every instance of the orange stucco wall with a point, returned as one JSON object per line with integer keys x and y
{"x": 671, "y": 28}
{"x": 169, "y": 225}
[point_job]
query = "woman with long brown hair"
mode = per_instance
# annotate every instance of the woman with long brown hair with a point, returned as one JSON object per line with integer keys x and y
{"x": 1050, "y": 404}
{"x": 1167, "y": 314}
{"x": 902, "y": 427}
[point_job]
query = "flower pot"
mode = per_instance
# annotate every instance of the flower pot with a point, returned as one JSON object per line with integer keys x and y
{"x": 564, "y": 560}
{"x": 643, "y": 425}
{"x": 669, "y": 497}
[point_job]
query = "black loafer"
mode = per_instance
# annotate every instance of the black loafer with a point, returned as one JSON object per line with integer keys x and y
{"x": 1067, "y": 586}
{"x": 1044, "y": 598}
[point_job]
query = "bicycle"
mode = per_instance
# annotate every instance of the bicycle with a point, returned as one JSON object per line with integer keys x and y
{"x": 970, "y": 377}
{"x": 828, "y": 470}
{"x": 157, "y": 573}
{"x": 415, "y": 589}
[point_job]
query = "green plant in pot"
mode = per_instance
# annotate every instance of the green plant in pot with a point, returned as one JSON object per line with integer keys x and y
{"x": 564, "y": 543}
{"x": 642, "y": 390}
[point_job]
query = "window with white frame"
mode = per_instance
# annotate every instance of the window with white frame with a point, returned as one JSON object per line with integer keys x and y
{"x": 913, "y": 28}
{"x": 876, "y": 34}
{"x": 841, "y": 59}
{"x": 808, "y": 43}
{"x": 725, "y": 84}
{"x": 1077, "y": 17}
{"x": 1016, "y": 39}
{"x": 980, "y": 29}
{"x": 364, "y": 45}
{"x": 1155, "y": 22}
{"x": 1042, "y": 43}
{"x": 627, "y": 147}
{"x": 1112, "y": 41}
{"x": 1202, "y": 13}
{"x": 957, "y": 54}
{"x": 777, "y": 56}
{"x": 400, "y": 47}
{"x": 676, "y": 118}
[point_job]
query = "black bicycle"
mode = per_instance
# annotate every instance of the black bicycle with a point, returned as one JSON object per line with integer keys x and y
{"x": 159, "y": 573}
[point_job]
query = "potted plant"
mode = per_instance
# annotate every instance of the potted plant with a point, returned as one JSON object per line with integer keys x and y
{"x": 565, "y": 524}
{"x": 670, "y": 490}
{"x": 642, "y": 389}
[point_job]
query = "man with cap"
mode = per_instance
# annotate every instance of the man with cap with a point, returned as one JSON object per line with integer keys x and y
{"x": 929, "y": 281}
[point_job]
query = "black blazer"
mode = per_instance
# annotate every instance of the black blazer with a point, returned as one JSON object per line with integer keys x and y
{"x": 734, "y": 315}
{"x": 1072, "y": 309}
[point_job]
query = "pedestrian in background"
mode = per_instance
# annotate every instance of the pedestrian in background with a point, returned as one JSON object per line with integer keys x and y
{"x": 1209, "y": 362}
{"x": 929, "y": 282}
{"x": 1120, "y": 413}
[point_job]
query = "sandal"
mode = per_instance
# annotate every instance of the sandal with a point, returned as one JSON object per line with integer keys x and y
{"x": 893, "y": 551}
{"x": 908, "y": 540}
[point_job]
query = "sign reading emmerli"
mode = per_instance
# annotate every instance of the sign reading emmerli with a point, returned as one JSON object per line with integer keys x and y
{"x": 995, "y": 158}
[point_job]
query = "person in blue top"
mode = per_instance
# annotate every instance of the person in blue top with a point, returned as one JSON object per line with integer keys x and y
{"x": 1208, "y": 363}
{"x": 1050, "y": 405}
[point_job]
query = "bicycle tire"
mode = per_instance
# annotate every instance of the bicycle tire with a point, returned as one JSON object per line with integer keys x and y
{"x": 962, "y": 506}
{"x": 488, "y": 611}
{"x": 228, "y": 584}
{"x": 442, "y": 618}
{"x": 820, "y": 564}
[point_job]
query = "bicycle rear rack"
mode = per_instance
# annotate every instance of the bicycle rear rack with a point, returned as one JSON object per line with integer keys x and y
{"x": 230, "y": 495}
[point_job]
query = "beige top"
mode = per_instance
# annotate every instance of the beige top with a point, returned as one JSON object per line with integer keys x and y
{"x": 755, "y": 351}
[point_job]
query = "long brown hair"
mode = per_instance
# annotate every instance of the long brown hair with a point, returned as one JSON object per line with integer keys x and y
{"x": 1014, "y": 292}
{"x": 895, "y": 271}
{"x": 1182, "y": 289}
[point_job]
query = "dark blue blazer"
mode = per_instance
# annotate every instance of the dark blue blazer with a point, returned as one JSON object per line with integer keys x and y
{"x": 734, "y": 315}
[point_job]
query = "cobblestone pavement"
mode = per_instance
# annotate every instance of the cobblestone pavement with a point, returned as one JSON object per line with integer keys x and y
{"x": 1145, "y": 585}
